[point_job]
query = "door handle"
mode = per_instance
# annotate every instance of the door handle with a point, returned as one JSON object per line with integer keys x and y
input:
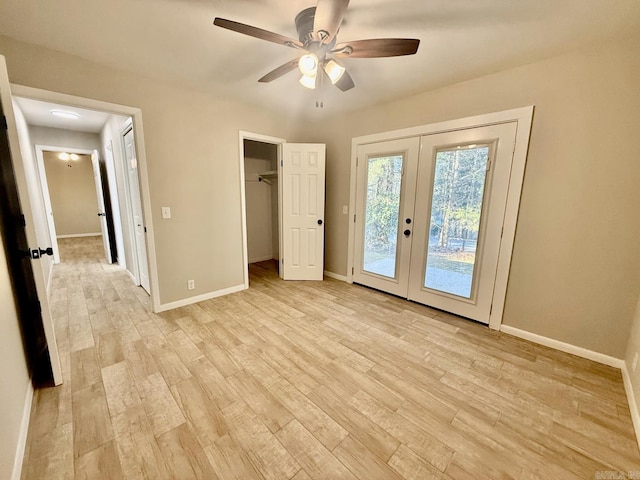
{"x": 102, "y": 214}
{"x": 36, "y": 253}
{"x": 407, "y": 232}
{"x": 319, "y": 222}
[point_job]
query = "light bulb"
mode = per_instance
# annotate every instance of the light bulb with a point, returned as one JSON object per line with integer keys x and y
{"x": 308, "y": 65}
{"x": 64, "y": 156}
{"x": 74, "y": 157}
{"x": 334, "y": 71}
{"x": 307, "y": 81}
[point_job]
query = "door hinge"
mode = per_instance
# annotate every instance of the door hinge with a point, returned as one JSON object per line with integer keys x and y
{"x": 23, "y": 221}
{"x": 354, "y": 218}
{"x": 281, "y": 163}
{"x": 145, "y": 229}
{"x": 4, "y": 123}
{"x": 488, "y": 165}
{"x": 501, "y": 232}
{"x": 39, "y": 306}
{"x": 357, "y": 160}
{"x": 352, "y": 270}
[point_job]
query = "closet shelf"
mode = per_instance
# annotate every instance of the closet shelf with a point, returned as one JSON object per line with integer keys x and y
{"x": 267, "y": 176}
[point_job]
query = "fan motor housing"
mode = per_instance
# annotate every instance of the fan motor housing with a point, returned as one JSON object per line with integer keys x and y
{"x": 304, "y": 25}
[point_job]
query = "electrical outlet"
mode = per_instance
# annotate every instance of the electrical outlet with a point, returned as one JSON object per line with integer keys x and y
{"x": 634, "y": 364}
{"x": 191, "y": 284}
{"x": 166, "y": 213}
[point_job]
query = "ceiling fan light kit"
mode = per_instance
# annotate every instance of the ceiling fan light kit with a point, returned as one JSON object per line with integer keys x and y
{"x": 308, "y": 81}
{"x": 317, "y": 28}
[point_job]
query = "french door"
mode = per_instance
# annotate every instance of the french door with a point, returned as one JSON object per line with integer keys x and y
{"x": 429, "y": 216}
{"x": 386, "y": 186}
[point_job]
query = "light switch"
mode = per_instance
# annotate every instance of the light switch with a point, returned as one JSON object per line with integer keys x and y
{"x": 166, "y": 212}
{"x": 345, "y": 210}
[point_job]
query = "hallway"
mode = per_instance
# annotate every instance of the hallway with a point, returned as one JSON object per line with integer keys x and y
{"x": 299, "y": 380}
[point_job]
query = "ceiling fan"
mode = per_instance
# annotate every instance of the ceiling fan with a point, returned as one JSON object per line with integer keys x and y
{"x": 317, "y": 29}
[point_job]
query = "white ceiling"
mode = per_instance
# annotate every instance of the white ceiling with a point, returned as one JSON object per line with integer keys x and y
{"x": 38, "y": 113}
{"x": 174, "y": 40}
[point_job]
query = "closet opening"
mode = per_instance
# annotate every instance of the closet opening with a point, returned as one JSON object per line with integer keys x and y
{"x": 261, "y": 192}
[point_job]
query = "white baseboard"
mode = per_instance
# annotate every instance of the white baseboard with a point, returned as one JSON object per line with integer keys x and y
{"x": 335, "y": 276}
{"x": 198, "y": 298}
{"x": 261, "y": 259}
{"x": 589, "y": 355}
{"x": 132, "y": 277}
{"x": 564, "y": 347}
{"x": 631, "y": 398}
{"x": 78, "y": 235}
{"x": 22, "y": 438}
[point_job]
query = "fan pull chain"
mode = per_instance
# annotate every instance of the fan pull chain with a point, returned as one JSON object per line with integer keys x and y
{"x": 320, "y": 90}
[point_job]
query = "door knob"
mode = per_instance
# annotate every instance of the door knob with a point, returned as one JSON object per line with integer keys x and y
{"x": 319, "y": 222}
{"x": 407, "y": 232}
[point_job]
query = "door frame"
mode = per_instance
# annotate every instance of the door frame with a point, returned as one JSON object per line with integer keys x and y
{"x": 46, "y": 196}
{"x": 243, "y": 135}
{"x": 136, "y": 116}
{"x": 126, "y": 127}
{"x": 523, "y": 116}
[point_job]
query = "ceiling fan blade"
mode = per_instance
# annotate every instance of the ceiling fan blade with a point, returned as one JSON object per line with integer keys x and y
{"x": 346, "y": 82}
{"x": 328, "y": 18}
{"x": 376, "y": 48}
{"x": 280, "y": 71}
{"x": 257, "y": 32}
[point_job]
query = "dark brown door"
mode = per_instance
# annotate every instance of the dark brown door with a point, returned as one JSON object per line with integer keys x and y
{"x": 14, "y": 238}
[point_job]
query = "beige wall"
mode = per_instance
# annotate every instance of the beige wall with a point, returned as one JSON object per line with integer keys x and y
{"x": 575, "y": 275}
{"x": 72, "y": 191}
{"x": 191, "y": 141}
{"x": 14, "y": 377}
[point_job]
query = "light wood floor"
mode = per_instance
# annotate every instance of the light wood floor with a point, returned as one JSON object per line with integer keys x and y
{"x": 299, "y": 380}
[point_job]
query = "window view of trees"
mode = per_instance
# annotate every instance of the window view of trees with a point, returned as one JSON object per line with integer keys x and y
{"x": 384, "y": 179}
{"x": 458, "y": 189}
{"x": 455, "y": 218}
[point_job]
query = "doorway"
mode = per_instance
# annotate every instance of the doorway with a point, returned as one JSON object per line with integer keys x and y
{"x": 300, "y": 178}
{"x": 432, "y": 209}
{"x": 75, "y": 196}
{"x": 261, "y": 193}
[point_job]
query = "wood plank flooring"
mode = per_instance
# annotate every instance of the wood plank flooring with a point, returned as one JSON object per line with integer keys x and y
{"x": 309, "y": 380}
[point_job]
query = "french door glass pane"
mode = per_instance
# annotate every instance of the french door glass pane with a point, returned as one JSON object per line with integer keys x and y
{"x": 456, "y": 207}
{"x": 384, "y": 179}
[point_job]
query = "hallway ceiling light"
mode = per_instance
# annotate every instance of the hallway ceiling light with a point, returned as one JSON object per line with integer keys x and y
{"x": 65, "y": 114}
{"x": 68, "y": 156}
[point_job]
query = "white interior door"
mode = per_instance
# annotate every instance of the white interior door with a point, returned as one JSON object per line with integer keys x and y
{"x": 25, "y": 202}
{"x": 461, "y": 195}
{"x": 136, "y": 207}
{"x": 102, "y": 213}
{"x": 386, "y": 182}
{"x": 302, "y": 185}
